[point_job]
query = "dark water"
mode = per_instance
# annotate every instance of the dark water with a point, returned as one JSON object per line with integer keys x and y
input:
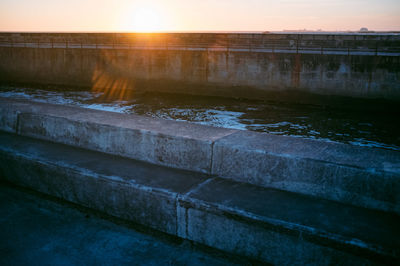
{"x": 374, "y": 128}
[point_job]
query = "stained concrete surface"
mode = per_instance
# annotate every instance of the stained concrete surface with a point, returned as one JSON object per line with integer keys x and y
{"x": 296, "y": 210}
{"x": 39, "y": 231}
{"x": 257, "y": 222}
{"x": 170, "y": 143}
{"x": 358, "y": 176}
{"x": 353, "y": 175}
{"x": 236, "y": 65}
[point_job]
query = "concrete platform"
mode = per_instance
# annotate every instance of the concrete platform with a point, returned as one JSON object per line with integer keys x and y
{"x": 37, "y": 230}
{"x": 359, "y": 176}
{"x": 260, "y": 223}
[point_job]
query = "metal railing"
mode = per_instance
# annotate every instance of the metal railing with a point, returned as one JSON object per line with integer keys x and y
{"x": 243, "y": 44}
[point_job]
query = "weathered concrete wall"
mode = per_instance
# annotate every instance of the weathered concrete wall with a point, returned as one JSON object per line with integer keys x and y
{"x": 236, "y": 65}
{"x": 265, "y": 224}
{"x": 355, "y": 175}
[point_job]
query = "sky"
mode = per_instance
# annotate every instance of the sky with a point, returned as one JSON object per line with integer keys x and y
{"x": 198, "y": 15}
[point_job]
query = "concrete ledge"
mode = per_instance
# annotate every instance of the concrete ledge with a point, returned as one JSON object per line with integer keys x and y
{"x": 121, "y": 187}
{"x": 359, "y": 176}
{"x": 169, "y": 143}
{"x": 265, "y": 224}
{"x": 8, "y": 116}
{"x": 355, "y": 175}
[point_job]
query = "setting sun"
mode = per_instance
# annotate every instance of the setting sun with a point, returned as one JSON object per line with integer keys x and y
{"x": 146, "y": 19}
{"x": 143, "y": 18}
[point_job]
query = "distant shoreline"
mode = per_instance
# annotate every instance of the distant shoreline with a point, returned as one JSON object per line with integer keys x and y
{"x": 227, "y": 32}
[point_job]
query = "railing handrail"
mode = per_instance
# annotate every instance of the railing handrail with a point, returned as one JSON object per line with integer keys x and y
{"x": 228, "y": 44}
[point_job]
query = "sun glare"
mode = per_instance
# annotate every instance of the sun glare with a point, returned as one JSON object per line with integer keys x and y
{"x": 145, "y": 16}
{"x": 145, "y": 19}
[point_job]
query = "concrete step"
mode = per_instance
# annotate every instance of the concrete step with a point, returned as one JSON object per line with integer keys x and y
{"x": 359, "y": 176}
{"x": 41, "y": 230}
{"x": 266, "y": 224}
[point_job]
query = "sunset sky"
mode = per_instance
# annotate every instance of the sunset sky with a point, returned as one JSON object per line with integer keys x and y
{"x": 198, "y": 15}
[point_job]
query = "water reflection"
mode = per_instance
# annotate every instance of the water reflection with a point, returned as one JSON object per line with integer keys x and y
{"x": 307, "y": 121}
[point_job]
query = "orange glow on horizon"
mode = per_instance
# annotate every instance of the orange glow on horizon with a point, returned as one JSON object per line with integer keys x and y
{"x": 197, "y": 16}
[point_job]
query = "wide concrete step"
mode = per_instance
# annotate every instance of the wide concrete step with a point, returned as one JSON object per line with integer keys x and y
{"x": 41, "y": 230}
{"x": 359, "y": 176}
{"x": 261, "y": 223}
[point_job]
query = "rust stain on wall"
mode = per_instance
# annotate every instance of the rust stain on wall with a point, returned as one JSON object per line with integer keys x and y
{"x": 296, "y": 69}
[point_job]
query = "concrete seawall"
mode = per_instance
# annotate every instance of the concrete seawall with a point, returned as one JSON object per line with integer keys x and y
{"x": 275, "y": 199}
{"x": 230, "y": 65}
{"x": 359, "y": 176}
{"x": 259, "y": 223}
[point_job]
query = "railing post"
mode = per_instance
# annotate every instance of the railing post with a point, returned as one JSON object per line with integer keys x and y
{"x": 249, "y": 47}
{"x": 227, "y": 43}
